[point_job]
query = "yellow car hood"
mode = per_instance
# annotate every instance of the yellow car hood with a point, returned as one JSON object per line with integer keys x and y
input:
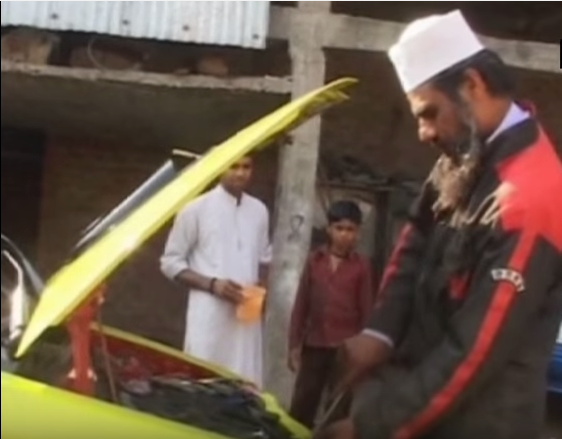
{"x": 73, "y": 283}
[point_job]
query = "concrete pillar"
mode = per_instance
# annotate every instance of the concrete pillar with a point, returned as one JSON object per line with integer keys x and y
{"x": 295, "y": 197}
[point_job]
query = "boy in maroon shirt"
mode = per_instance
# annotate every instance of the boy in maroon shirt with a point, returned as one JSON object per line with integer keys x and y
{"x": 333, "y": 302}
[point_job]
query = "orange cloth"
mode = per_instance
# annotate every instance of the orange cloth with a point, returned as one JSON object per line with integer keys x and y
{"x": 251, "y": 307}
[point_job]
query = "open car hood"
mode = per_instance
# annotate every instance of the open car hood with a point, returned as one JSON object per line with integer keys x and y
{"x": 73, "y": 283}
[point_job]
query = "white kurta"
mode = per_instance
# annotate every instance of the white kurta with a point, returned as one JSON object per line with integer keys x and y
{"x": 216, "y": 236}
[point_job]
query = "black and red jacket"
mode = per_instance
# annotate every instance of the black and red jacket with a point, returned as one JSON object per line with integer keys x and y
{"x": 474, "y": 310}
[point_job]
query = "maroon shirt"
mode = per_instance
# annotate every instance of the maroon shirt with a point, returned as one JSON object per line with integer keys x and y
{"x": 331, "y": 305}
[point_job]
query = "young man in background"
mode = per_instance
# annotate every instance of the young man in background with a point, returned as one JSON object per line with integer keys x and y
{"x": 333, "y": 303}
{"x": 218, "y": 245}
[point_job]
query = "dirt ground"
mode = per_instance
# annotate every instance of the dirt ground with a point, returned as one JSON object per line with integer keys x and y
{"x": 554, "y": 427}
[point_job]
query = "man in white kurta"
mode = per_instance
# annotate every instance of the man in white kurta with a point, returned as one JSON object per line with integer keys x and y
{"x": 216, "y": 247}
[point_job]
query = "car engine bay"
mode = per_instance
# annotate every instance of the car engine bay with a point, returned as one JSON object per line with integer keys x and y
{"x": 148, "y": 381}
{"x": 80, "y": 355}
{"x": 140, "y": 379}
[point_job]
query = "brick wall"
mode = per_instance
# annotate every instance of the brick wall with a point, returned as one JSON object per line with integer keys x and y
{"x": 84, "y": 179}
{"x": 376, "y": 125}
{"x": 22, "y": 166}
{"x": 19, "y": 203}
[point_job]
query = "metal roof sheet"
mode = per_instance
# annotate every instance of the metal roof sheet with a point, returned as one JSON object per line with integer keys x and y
{"x": 233, "y": 23}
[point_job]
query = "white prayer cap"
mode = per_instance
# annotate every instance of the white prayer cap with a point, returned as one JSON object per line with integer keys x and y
{"x": 431, "y": 45}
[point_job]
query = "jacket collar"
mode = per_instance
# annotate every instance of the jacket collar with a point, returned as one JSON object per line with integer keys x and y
{"x": 515, "y": 115}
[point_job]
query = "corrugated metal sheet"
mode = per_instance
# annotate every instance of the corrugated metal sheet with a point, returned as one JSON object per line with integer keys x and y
{"x": 234, "y": 23}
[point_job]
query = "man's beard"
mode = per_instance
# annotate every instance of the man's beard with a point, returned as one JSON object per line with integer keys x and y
{"x": 455, "y": 171}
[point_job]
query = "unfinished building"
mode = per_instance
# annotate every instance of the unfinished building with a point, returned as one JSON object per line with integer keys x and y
{"x": 92, "y": 103}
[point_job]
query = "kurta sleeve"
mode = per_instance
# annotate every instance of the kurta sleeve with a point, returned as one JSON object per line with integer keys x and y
{"x": 180, "y": 243}
{"x": 509, "y": 284}
{"x": 265, "y": 241}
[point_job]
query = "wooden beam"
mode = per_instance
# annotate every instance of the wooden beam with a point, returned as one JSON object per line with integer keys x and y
{"x": 357, "y": 33}
{"x": 295, "y": 198}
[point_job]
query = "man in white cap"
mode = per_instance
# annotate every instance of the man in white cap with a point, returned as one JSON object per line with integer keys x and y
{"x": 459, "y": 343}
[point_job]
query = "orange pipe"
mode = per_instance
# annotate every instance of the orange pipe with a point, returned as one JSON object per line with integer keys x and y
{"x": 82, "y": 379}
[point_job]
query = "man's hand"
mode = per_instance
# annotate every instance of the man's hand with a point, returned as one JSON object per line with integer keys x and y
{"x": 228, "y": 290}
{"x": 294, "y": 359}
{"x": 339, "y": 430}
{"x": 357, "y": 357}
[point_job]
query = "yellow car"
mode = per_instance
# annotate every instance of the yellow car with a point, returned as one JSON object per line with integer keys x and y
{"x": 65, "y": 375}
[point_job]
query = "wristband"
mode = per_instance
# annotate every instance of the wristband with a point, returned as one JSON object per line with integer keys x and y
{"x": 212, "y": 285}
